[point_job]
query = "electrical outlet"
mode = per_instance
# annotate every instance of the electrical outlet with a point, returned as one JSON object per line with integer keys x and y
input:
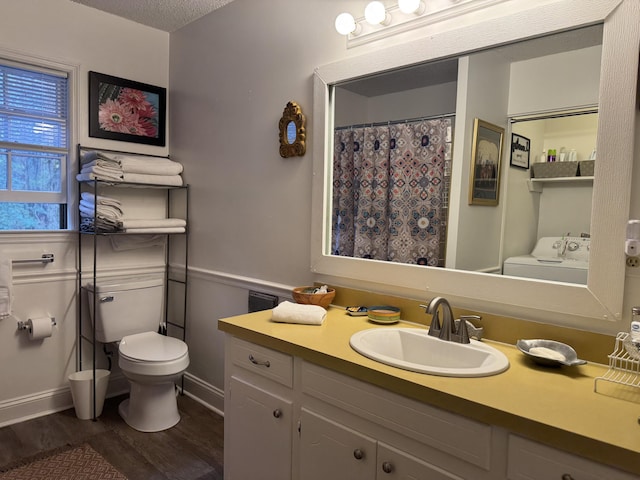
{"x": 633, "y": 261}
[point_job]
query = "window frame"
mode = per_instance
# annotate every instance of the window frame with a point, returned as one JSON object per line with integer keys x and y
{"x": 64, "y": 198}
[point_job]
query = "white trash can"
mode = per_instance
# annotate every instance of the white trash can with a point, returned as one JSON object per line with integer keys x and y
{"x": 81, "y": 384}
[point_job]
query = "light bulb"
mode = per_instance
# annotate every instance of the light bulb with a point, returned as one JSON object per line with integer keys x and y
{"x": 345, "y": 24}
{"x": 375, "y": 13}
{"x": 410, "y": 6}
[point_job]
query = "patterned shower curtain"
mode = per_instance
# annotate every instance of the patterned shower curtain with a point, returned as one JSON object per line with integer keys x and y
{"x": 390, "y": 187}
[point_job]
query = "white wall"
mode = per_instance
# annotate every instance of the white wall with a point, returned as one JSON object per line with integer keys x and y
{"x": 33, "y": 375}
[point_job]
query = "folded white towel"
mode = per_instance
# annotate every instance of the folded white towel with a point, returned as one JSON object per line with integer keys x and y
{"x": 102, "y": 210}
{"x": 133, "y": 164}
{"x": 153, "y": 223}
{"x": 87, "y": 176}
{"x": 156, "y": 230}
{"x": 101, "y": 199}
{"x": 174, "y": 180}
{"x": 102, "y": 164}
{"x": 104, "y": 173}
{"x": 151, "y": 166}
{"x": 6, "y": 283}
{"x": 288, "y": 312}
{"x": 105, "y": 211}
{"x": 121, "y": 243}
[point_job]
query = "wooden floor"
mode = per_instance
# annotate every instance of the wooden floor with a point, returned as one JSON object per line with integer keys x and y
{"x": 192, "y": 450}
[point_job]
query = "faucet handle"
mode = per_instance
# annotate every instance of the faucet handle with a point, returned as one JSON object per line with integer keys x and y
{"x": 466, "y": 329}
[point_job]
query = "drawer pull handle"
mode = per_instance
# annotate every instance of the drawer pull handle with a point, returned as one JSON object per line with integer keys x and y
{"x": 277, "y": 413}
{"x": 253, "y": 360}
{"x": 358, "y": 454}
{"x": 387, "y": 467}
{"x": 567, "y": 476}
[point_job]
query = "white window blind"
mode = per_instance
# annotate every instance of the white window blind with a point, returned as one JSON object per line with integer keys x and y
{"x": 34, "y": 127}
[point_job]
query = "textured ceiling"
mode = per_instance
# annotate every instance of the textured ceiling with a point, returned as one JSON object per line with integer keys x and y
{"x": 167, "y": 15}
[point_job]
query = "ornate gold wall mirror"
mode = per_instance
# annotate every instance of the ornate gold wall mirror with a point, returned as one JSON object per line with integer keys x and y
{"x": 292, "y": 131}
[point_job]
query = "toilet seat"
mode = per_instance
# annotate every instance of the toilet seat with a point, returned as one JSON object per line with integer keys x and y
{"x": 150, "y": 353}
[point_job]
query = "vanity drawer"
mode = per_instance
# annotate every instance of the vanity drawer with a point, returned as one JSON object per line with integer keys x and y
{"x": 263, "y": 361}
{"x": 530, "y": 460}
{"x": 455, "y": 435}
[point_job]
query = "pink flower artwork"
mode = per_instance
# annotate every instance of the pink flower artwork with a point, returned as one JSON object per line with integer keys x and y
{"x": 128, "y": 110}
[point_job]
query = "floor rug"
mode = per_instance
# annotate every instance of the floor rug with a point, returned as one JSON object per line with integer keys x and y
{"x": 76, "y": 463}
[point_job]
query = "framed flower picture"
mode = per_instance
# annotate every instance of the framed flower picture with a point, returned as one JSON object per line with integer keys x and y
{"x": 125, "y": 110}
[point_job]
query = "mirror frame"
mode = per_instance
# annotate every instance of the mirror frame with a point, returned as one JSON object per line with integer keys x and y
{"x": 595, "y": 307}
{"x": 292, "y": 113}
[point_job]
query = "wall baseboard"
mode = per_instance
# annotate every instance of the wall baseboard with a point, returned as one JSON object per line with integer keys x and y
{"x": 25, "y": 408}
{"x": 204, "y": 393}
{"x": 39, "y": 404}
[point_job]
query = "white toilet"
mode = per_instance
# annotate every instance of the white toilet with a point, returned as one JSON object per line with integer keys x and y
{"x": 129, "y": 311}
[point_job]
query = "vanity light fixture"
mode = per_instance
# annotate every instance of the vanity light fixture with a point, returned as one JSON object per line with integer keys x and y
{"x": 346, "y": 24}
{"x": 375, "y": 13}
{"x": 380, "y": 21}
{"x": 411, "y": 6}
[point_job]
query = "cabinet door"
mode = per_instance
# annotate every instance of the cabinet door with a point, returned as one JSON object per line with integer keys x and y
{"x": 394, "y": 464}
{"x": 332, "y": 451}
{"x": 260, "y": 434}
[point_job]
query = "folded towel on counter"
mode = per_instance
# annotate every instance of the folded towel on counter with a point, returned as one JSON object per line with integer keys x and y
{"x": 153, "y": 223}
{"x": 173, "y": 180}
{"x": 121, "y": 243}
{"x": 6, "y": 284}
{"x": 156, "y": 230}
{"x": 288, "y": 312}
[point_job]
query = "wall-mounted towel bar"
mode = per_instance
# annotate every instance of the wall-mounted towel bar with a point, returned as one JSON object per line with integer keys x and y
{"x": 46, "y": 258}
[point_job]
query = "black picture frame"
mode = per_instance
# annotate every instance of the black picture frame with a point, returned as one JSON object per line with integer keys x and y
{"x": 520, "y": 151}
{"x": 125, "y": 110}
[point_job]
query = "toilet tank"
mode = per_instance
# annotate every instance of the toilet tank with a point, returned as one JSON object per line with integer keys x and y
{"x": 125, "y": 306}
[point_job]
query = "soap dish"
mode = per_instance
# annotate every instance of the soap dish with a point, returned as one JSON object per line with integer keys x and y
{"x": 549, "y": 353}
{"x": 384, "y": 314}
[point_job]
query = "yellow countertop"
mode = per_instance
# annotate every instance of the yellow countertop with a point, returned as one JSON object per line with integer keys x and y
{"x": 556, "y": 406}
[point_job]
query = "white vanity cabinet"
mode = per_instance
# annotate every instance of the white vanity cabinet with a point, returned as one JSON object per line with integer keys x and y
{"x": 290, "y": 419}
{"x": 532, "y": 461}
{"x": 332, "y": 450}
{"x": 258, "y": 413}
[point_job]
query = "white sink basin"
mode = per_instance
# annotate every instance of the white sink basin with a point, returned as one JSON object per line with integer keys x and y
{"x": 413, "y": 349}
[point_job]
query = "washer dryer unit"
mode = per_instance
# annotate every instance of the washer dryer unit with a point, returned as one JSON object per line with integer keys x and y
{"x": 561, "y": 259}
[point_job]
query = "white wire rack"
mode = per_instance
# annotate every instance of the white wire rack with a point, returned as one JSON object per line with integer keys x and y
{"x": 624, "y": 363}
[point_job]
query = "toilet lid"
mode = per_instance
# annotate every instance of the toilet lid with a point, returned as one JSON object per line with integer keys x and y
{"x": 152, "y": 347}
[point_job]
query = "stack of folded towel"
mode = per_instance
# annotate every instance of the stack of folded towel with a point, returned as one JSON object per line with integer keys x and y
{"x": 105, "y": 215}
{"x": 132, "y": 169}
{"x": 100, "y": 213}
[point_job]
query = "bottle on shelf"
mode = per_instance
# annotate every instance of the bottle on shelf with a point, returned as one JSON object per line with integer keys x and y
{"x": 551, "y": 157}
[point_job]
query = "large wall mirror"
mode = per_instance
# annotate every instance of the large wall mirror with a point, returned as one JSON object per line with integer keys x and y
{"x": 566, "y": 84}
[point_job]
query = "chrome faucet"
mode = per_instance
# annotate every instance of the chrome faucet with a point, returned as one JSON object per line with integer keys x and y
{"x": 449, "y": 329}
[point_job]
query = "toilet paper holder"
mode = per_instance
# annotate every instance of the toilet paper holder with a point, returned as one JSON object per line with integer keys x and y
{"x": 22, "y": 325}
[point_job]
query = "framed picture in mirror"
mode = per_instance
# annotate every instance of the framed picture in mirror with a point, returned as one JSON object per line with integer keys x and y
{"x": 486, "y": 156}
{"x": 520, "y": 151}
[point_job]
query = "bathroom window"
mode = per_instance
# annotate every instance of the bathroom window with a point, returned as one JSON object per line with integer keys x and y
{"x": 34, "y": 146}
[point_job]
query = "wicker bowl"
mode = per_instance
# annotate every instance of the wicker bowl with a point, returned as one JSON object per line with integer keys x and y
{"x": 306, "y": 296}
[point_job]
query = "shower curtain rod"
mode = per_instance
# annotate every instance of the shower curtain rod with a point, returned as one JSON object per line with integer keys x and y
{"x": 395, "y": 122}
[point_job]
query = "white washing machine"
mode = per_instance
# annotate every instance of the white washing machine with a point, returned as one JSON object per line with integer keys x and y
{"x": 561, "y": 259}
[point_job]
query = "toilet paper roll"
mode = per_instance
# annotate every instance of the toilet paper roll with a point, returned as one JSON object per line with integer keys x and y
{"x": 39, "y": 328}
